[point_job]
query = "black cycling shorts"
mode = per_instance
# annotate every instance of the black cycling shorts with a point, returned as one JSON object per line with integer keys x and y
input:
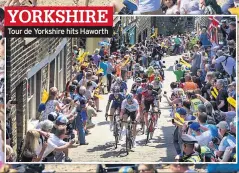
{"x": 132, "y": 115}
{"x": 147, "y": 105}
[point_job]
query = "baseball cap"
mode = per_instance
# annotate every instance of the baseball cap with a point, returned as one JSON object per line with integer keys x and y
{"x": 223, "y": 125}
{"x": 52, "y": 116}
{"x": 41, "y": 107}
{"x": 195, "y": 126}
{"x": 62, "y": 119}
{"x": 188, "y": 139}
{"x": 181, "y": 111}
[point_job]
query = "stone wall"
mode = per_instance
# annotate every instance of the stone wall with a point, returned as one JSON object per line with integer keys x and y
{"x": 22, "y": 55}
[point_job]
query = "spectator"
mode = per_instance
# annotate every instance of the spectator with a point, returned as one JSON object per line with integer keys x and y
{"x": 222, "y": 103}
{"x": 232, "y": 33}
{"x": 96, "y": 57}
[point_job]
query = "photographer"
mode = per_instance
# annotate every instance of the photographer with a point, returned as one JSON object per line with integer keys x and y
{"x": 57, "y": 148}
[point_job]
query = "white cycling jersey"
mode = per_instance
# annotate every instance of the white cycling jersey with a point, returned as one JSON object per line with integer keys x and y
{"x": 130, "y": 107}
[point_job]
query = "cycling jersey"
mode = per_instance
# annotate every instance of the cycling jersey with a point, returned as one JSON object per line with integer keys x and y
{"x": 130, "y": 107}
{"x": 122, "y": 85}
{"x": 116, "y": 100}
{"x": 150, "y": 97}
{"x": 156, "y": 85}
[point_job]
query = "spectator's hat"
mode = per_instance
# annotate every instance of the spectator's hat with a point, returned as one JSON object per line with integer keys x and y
{"x": 188, "y": 139}
{"x": 179, "y": 66}
{"x": 61, "y": 119}
{"x": 223, "y": 125}
{"x": 41, "y": 107}
{"x": 52, "y": 116}
{"x": 219, "y": 53}
{"x": 181, "y": 111}
{"x": 195, "y": 126}
{"x": 97, "y": 51}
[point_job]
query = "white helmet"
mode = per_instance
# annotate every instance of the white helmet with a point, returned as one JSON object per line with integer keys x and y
{"x": 118, "y": 80}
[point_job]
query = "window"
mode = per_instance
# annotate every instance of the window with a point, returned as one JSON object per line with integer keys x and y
{"x": 30, "y": 87}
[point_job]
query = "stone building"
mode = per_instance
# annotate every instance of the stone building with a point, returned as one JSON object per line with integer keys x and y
{"x": 165, "y": 25}
{"x": 35, "y": 64}
{"x": 128, "y": 30}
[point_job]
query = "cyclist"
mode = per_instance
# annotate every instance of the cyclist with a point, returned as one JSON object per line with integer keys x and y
{"x": 129, "y": 108}
{"x": 157, "y": 86}
{"x": 149, "y": 98}
{"x": 150, "y": 73}
{"x": 136, "y": 70}
{"x": 121, "y": 84}
{"x": 117, "y": 99}
{"x": 136, "y": 85}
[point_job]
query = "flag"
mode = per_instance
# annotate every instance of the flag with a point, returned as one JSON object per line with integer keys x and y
{"x": 213, "y": 25}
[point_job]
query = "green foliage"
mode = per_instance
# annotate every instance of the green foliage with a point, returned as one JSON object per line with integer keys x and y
{"x": 192, "y": 42}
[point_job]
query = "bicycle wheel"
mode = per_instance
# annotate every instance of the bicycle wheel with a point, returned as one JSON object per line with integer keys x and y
{"x": 128, "y": 142}
{"x": 149, "y": 130}
{"x": 116, "y": 134}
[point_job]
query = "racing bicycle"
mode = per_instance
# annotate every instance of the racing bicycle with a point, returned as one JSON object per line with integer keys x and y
{"x": 152, "y": 123}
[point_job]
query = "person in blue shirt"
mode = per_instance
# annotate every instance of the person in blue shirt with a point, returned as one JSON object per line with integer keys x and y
{"x": 204, "y": 38}
{"x": 121, "y": 84}
{"x": 104, "y": 66}
{"x": 117, "y": 99}
{"x": 81, "y": 117}
{"x": 228, "y": 140}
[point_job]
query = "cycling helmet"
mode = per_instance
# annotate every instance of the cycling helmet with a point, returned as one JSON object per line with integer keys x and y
{"x": 138, "y": 80}
{"x": 137, "y": 65}
{"x": 156, "y": 73}
{"x": 157, "y": 79}
{"x": 150, "y": 86}
{"x": 141, "y": 70}
{"x": 129, "y": 97}
{"x": 116, "y": 89}
{"x": 75, "y": 82}
{"x": 118, "y": 80}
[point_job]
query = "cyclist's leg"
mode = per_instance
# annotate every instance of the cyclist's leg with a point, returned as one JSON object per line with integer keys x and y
{"x": 133, "y": 118}
{"x": 112, "y": 111}
{"x": 146, "y": 110}
{"x": 117, "y": 6}
{"x": 124, "y": 125}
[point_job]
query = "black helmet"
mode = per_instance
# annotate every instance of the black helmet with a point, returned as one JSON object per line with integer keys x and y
{"x": 138, "y": 80}
{"x": 150, "y": 86}
{"x": 75, "y": 82}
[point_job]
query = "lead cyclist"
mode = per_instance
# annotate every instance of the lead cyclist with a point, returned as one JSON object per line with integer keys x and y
{"x": 130, "y": 108}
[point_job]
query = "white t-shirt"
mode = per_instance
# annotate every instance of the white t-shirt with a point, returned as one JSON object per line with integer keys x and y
{"x": 94, "y": 85}
{"x": 172, "y": 10}
{"x": 130, "y": 107}
{"x": 50, "y": 107}
{"x": 204, "y": 138}
{"x": 53, "y": 143}
{"x": 148, "y": 5}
